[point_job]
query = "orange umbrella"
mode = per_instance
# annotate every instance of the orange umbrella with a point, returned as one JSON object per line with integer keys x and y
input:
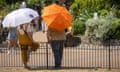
{"x": 57, "y": 17}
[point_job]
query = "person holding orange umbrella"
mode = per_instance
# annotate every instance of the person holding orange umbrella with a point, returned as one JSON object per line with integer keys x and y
{"x": 56, "y": 39}
{"x": 57, "y": 19}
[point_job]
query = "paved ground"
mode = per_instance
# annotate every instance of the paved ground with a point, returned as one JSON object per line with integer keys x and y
{"x": 61, "y": 70}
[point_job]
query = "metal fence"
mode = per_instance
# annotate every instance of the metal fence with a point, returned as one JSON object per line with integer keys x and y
{"x": 80, "y": 56}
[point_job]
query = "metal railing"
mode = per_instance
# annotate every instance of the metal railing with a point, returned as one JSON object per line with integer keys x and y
{"x": 80, "y": 56}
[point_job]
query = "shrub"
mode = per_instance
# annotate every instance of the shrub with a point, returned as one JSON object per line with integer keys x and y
{"x": 99, "y": 28}
{"x": 4, "y": 12}
{"x": 79, "y": 22}
{"x": 78, "y": 27}
{"x": 115, "y": 28}
{"x": 2, "y": 3}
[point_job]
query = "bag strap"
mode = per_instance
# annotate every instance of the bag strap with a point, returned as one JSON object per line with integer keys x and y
{"x": 28, "y": 35}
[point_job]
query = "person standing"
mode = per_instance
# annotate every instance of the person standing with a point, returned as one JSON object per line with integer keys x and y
{"x": 12, "y": 39}
{"x": 38, "y": 8}
{"x": 1, "y": 30}
{"x": 31, "y": 27}
{"x": 44, "y": 26}
{"x": 61, "y": 3}
{"x": 0, "y": 33}
{"x": 56, "y": 39}
{"x": 23, "y": 4}
{"x": 24, "y": 42}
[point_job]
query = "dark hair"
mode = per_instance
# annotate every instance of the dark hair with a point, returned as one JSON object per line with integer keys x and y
{"x": 57, "y": 2}
{"x": 21, "y": 26}
{"x": 47, "y": 3}
{"x": 66, "y": 30}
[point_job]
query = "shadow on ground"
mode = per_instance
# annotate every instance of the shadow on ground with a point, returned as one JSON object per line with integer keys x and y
{"x": 52, "y": 68}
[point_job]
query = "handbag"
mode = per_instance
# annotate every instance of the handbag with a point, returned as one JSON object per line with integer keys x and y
{"x": 24, "y": 39}
{"x": 34, "y": 46}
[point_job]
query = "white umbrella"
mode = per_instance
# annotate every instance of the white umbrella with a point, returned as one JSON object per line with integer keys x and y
{"x": 19, "y": 16}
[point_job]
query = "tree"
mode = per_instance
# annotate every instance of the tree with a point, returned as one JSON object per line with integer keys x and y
{"x": 2, "y": 3}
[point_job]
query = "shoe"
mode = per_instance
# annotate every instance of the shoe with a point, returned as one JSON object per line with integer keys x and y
{"x": 57, "y": 67}
{"x": 8, "y": 52}
{"x": 26, "y": 66}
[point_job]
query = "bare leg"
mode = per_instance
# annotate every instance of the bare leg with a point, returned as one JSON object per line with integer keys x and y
{"x": 24, "y": 56}
{"x": 14, "y": 44}
{"x": 9, "y": 46}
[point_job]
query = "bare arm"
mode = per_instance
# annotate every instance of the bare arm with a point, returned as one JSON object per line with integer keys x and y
{"x": 30, "y": 36}
{"x": 48, "y": 35}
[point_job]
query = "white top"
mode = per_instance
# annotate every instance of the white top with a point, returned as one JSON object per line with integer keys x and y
{"x": 44, "y": 26}
{"x": 95, "y": 15}
{"x": 20, "y": 30}
{"x": 31, "y": 28}
{"x": 23, "y": 5}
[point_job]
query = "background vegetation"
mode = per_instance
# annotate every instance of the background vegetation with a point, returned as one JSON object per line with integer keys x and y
{"x": 106, "y": 27}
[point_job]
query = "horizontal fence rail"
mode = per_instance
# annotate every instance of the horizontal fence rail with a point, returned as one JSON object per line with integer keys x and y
{"x": 80, "y": 56}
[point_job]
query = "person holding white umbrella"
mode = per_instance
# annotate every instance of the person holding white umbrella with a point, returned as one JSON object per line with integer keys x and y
{"x": 12, "y": 39}
{"x": 24, "y": 41}
{"x": 16, "y": 18}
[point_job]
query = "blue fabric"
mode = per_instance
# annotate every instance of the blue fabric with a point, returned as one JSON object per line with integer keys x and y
{"x": 57, "y": 48}
{"x": 12, "y": 35}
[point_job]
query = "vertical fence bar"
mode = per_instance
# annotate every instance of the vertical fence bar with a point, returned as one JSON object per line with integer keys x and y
{"x": 85, "y": 58}
{"x": 47, "y": 54}
{"x": 109, "y": 56}
{"x": 118, "y": 54}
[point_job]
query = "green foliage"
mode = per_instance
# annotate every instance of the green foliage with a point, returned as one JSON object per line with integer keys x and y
{"x": 78, "y": 27}
{"x": 94, "y": 5}
{"x": 14, "y": 6}
{"x": 114, "y": 2}
{"x": 9, "y": 8}
{"x": 85, "y": 15}
{"x": 115, "y": 27}
{"x": 4, "y": 12}
{"x": 116, "y": 11}
{"x": 79, "y": 22}
{"x": 2, "y": 3}
{"x": 99, "y": 28}
{"x": 31, "y": 3}
{"x": 103, "y": 12}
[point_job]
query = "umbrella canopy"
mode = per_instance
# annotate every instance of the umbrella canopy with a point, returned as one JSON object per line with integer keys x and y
{"x": 19, "y": 16}
{"x": 57, "y": 17}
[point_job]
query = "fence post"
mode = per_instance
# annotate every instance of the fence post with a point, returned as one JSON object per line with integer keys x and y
{"x": 109, "y": 56}
{"x": 47, "y": 54}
